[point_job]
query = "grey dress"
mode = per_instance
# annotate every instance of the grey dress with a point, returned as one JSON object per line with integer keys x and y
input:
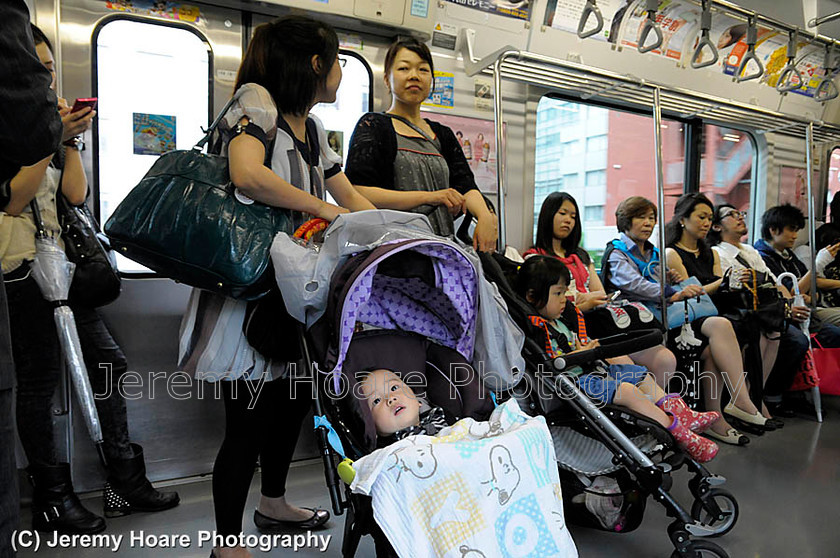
{"x": 419, "y": 166}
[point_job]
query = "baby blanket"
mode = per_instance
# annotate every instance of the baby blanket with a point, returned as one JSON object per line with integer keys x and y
{"x": 477, "y": 489}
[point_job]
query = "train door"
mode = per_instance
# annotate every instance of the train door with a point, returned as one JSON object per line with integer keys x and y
{"x": 159, "y": 74}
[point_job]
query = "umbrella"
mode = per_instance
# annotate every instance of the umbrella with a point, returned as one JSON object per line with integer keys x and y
{"x": 806, "y": 378}
{"x": 53, "y": 273}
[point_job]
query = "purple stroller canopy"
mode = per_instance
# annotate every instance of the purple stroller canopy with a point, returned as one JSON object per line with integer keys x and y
{"x": 442, "y": 308}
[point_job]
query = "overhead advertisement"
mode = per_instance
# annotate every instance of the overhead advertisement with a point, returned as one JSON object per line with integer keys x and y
{"x": 676, "y": 21}
{"x": 516, "y": 9}
{"x": 565, "y": 15}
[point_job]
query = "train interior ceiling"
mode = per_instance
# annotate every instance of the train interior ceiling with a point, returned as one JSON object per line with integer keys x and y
{"x": 578, "y": 116}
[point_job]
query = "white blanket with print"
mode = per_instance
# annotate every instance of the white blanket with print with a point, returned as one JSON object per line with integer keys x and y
{"x": 477, "y": 489}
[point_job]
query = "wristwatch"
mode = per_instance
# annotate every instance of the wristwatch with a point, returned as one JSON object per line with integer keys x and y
{"x": 76, "y": 143}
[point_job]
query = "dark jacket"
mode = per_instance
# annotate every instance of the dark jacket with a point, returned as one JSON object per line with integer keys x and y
{"x": 779, "y": 264}
{"x": 373, "y": 150}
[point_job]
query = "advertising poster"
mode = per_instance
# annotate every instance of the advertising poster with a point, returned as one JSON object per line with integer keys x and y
{"x": 676, "y": 20}
{"x": 170, "y": 10}
{"x": 478, "y": 141}
{"x": 565, "y": 15}
{"x": 516, "y": 9}
{"x": 336, "y": 140}
{"x": 154, "y": 134}
{"x": 443, "y": 93}
{"x": 809, "y": 61}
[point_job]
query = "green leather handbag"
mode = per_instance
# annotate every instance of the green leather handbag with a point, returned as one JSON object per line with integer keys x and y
{"x": 185, "y": 220}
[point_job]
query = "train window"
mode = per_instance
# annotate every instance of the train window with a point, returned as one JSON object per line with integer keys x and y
{"x": 153, "y": 85}
{"x": 617, "y": 162}
{"x": 833, "y": 181}
{"x": 726, "y": 166}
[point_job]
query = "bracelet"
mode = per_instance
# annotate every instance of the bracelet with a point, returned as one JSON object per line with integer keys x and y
{"x": 75, "y": 142}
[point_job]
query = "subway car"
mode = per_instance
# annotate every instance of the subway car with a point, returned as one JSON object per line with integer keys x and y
{"x": 603, "y": 100}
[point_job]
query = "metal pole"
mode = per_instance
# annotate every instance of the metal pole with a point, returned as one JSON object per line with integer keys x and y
{"x": 660, "y": 198}
{"x": 500, "y": 151}
{"x": 812, "y": 215}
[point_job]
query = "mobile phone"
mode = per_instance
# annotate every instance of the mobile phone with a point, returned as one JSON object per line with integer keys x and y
{"x": 613, "y": 296}
{"x": 82, "y": 103}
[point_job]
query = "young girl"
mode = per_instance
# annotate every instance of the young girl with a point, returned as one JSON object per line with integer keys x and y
{"x": 543, "y": 282}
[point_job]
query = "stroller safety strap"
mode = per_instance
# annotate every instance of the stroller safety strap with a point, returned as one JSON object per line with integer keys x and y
{"x": 332, "y": 435}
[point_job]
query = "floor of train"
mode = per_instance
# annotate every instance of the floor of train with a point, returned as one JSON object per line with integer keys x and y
{"x": 787, "y": 484}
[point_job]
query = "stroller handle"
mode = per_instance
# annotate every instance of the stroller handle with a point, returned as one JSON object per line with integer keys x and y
{"x": 614, "y": 345}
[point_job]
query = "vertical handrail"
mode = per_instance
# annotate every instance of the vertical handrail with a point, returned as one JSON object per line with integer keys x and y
{"x": 812, "y": 235}
{"x": 660, "y": 198}
{"x": 500, "y": 150}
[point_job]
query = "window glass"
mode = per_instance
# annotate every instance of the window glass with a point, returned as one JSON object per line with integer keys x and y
{"x": 726, "y": 166}
{"x": 617, "y": 161}
{"x": 153, "y": 89}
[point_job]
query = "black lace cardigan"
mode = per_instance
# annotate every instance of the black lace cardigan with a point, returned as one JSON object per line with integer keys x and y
{"x": 373, "y": 149}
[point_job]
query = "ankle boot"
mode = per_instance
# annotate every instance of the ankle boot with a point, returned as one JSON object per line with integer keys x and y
{"x": 128, "y": 490}
{"x": 700, "y": 449}
{"x": 55, "y": 507}
{"x": 696, "y": 422}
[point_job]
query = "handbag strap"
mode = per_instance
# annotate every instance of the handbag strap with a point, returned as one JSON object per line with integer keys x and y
{"x": 410, "y": 124}
{"x": 209, "y": 131}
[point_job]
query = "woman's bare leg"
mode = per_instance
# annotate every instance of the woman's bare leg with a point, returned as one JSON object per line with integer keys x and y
{"x": 726, "y": 354}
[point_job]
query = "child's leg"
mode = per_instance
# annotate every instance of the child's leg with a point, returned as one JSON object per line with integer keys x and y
{"x": 629, "y": 396}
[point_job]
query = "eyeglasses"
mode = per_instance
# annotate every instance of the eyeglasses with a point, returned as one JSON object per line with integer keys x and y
{"x": 342, "y": 62}
{"x": 736, "y": 214}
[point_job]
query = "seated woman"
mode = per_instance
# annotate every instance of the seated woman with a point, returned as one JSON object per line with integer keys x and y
{"x": 635, "y": 219}
{"x": 559, "y": 233}
{"x": 543, "y": 282}
{"x": 725, "y": 236}
{"x": 400, "y": 160}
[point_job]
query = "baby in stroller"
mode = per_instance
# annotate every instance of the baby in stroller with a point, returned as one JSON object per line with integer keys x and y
{"x": 543, "y": 282}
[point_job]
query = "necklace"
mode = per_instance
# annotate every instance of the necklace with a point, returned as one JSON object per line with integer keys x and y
{"x": 687, "y": 249}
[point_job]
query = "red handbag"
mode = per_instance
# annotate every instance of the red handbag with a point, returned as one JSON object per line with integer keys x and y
{"x": 827, "y": 362}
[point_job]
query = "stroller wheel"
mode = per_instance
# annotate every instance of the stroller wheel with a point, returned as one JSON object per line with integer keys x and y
{"x": 701, "y": 549}
{"x": 721, "y": 522}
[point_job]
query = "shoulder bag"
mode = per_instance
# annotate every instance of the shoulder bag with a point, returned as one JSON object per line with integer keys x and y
{"x": 187, "y": 221}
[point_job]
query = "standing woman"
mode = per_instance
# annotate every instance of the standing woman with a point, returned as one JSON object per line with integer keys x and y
{"x": 400, "y": 160}
{"x": 559, "y": 233}
{"x": 37, "y": 353}
{"x": 291, "y": 65}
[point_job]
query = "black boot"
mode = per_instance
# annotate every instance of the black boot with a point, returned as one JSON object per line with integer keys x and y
{"x": 55, "y": 507}
{"x": 128, "y": 490}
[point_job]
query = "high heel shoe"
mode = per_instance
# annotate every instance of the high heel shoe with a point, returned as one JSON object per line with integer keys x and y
{"x": 756, "y": 419}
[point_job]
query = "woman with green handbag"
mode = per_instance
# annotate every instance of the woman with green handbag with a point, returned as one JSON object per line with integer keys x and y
{"x": 278, "y": 155}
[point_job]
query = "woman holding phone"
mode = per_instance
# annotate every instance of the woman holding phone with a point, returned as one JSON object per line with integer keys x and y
{"x": 36, "y": 351}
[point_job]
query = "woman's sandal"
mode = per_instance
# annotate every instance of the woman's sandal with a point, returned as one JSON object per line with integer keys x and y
{"x": 732, "y": 436}
{"x": 267, "y": 524}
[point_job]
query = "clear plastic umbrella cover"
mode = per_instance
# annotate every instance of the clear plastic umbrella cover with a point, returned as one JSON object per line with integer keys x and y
{"x": 53, "y": 273}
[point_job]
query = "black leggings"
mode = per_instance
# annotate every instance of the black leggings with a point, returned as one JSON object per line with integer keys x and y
{"x": 270, "y": 430}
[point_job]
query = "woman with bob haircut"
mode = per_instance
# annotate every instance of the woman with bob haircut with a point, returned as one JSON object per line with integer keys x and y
{"x": 559, "y": 233}
{"x": 721, "y": 354}
{"x": 400, "y": 160}
{"x": 291, "y": 64}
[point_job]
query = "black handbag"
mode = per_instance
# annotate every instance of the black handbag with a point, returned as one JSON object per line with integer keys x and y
{"x": 96, "y": 281}
{"x": 185, "y": 220}
{"x": 759, "y": 303}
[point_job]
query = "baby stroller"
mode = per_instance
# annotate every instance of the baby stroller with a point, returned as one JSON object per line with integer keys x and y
{"x": 613, "y": 442}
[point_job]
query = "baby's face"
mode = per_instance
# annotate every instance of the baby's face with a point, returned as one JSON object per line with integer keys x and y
{"x": 392, "y": 403}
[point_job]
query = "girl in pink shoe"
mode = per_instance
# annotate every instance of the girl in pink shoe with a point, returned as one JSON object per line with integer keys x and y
{"x": 559, "y": 234}
{"x": 543, "y": 282}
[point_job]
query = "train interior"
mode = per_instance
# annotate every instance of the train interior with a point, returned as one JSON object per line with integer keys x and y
{"x": 538, "y": 109}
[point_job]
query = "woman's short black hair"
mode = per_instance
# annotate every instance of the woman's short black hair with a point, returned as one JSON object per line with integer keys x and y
{"x": 537, "y": 275}
{"x": 835, "y": 208}
{"x": 684, "y": 208}
{"x": 39, "y": 37}
{"x": 279, "y": 58}
{"x": 631, "y": 208}
{"x": 415, "y": 46}
{"x": 779, "y": 217}
{"x": 545, "y": 227}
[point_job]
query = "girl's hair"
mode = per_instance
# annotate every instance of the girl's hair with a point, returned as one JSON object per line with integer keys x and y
{"x": 631, "y": 208}
{"x": 537, "y": 275}
{"x": 39, "y": 37}
{"x": 684, "y": 208}
{"x": 279, "y": 58}
{"x": 714, "y": 237}
{"x": 545, "y": 227}
{"x": 415, "y": 46}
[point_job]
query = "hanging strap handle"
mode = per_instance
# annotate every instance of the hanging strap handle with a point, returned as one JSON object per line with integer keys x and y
{"x": 705, "y": 41}
{"x": 827, "y": 90}
{"x": 650, "y": 25}
{"x": 790, "y": 78}
{"x": 752, "y": 38}
{"x": 589, "y": 10}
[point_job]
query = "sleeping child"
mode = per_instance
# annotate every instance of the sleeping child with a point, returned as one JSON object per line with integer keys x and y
{"x": 543, "y": 281}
